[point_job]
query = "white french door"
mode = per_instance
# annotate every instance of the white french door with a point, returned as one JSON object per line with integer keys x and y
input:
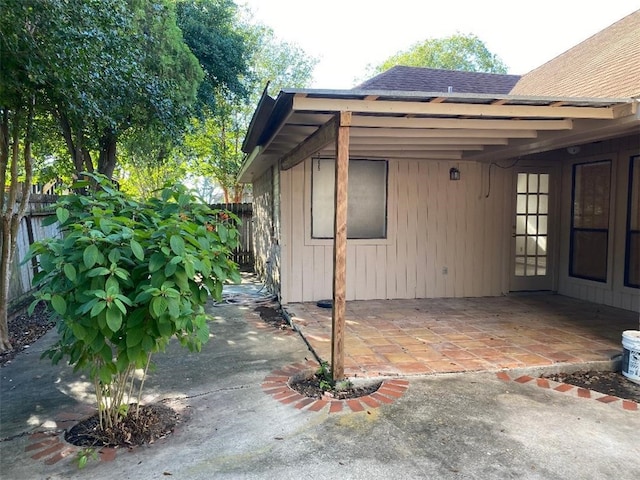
{"x": 531, "y": 249}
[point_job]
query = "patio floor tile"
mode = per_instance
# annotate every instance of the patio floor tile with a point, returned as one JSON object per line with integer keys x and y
{"x": 413, "y": 337}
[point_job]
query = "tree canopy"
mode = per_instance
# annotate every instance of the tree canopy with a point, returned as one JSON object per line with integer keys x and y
{"x": 210, "y": 151}
{"x": 456, "y": 52}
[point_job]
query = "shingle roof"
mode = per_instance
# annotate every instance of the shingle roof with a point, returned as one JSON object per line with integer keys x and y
{"x": 418, "y": 79}
{"x": 605, "y": 65}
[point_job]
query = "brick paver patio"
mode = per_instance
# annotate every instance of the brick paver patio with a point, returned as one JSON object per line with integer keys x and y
{"x": 424, "y": 336}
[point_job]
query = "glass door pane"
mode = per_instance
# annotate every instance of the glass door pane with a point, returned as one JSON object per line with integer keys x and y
{"x": 532, "y": 210}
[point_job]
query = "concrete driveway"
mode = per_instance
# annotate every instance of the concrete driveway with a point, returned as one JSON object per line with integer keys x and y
{"x": 447, "y": 426}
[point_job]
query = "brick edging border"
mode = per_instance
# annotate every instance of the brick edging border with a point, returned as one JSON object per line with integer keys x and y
{"x": 573, "y": 390}
{"x": 276, "y": 384}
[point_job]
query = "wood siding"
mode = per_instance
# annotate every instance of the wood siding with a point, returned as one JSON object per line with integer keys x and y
{"x": 265, "y": 230}
{"x": 434, "y": 226}
{"x": 613, "y": 292}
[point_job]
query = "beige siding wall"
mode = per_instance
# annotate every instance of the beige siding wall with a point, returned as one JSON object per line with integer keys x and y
{"x": 266, "y": 224}
{"x": 613, "y": 292}
{"x": 446, "y": 238}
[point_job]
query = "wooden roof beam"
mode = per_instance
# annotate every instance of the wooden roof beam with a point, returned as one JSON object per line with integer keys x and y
{"x": 465, "y": 109}
{"x": 357, "y": 132}
{"x": 427, "y": 141}
{"x": 459, "y": 123}
{"x": 327, "y": 133}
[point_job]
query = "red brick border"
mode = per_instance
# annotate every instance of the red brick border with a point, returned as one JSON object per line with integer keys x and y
{"x": 577, "y": 392}
{"x": 276, "y": 384}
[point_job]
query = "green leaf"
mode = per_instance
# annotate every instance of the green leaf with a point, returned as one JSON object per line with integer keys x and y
{"x": 70, "y": 271}
{"x": 156, "y": 262}
{"x": 147, "y": 343}
{"x": 79, "y": 331}
{"x": 134, "y": 336}
{"x": 49, "y": 220}
{"x": 136, "y": 317}
{"x": 112, "y": 286}
{"x": 105, "y": 374}
{"x": 114, "y": 319}
{"x": 222, "y": 233}
{"x": 165, "y": 329}
{"x": 122, "y": 363}
{"x": 32, "y": 306}
{"x": 62, "y": 214}
{"x": 90, "y": 256}
{"x": 97, "y": 308}
{"x": 137, "y": 249}
{"x": 114, "y": 255}
{"x": 98, "y": 271}
{"x": 170, "y": 269}
{"x": 59, "y": 304}
{"x": 174, "y": 307}
{"x": 118, "y": 303}
{"x": 177, "y": 244}
{"x": 203, "y": 334}
{"x": 158, "y": 306}
{"x": 189, "y": 269}
{"x": 121, "y": 273}
{"x": 183, "y": 200}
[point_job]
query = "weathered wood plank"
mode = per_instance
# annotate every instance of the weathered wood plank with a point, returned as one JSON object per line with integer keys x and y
{"x": 340, "y": 247}
{"x": 323, "y": 136}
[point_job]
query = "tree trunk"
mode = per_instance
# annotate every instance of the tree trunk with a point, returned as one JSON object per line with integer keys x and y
{"x": 80, "y": 155}
{"x": 13, "y": 208}
{"x": 107, "y": 159}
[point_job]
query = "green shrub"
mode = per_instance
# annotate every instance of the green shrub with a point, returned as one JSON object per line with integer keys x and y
{"x": 126, "y": 277}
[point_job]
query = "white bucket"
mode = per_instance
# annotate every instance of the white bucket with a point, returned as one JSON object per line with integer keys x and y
{"x": 631, "y": 355}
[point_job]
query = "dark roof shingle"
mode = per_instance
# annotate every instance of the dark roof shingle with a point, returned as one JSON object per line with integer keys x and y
{"x": 419, "y": 79}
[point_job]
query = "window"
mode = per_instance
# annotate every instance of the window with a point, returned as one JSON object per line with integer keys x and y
{"x": 632, "y": 263}
{"x": 590, "y": 220}
{"x": 367, "y": 202}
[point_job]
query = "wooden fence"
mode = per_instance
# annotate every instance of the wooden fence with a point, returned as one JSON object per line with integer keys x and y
{"x": 32, "y": 230}
{"x": 243, "y": 255}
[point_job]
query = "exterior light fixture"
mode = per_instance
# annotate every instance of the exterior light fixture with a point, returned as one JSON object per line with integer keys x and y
{"x": 454, "y": 174}
{"x": 573, "y": 150}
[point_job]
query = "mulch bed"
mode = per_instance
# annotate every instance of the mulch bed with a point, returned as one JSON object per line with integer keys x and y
{"x": 608, "y": 383}
{"x": 151, "y": 423}
{"x": 24, "y": 330}
{"x": 273, "y": 316}
{"x": 310, "y": 386}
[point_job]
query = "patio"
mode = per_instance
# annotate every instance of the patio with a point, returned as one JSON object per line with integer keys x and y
{"x": 426, "y": 336}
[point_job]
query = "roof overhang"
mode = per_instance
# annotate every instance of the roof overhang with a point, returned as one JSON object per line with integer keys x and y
{"x": 429, "y": 126}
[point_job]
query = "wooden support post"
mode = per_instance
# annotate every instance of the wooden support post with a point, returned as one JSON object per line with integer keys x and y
{"x": 340, "y": 246}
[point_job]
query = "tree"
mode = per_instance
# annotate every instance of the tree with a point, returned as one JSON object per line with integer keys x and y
{"x": 213, "y": 146}
{"x": 22, "y": 86}
{"x": 139, "y": 72}
{"x": 456, "y": 52}
{"x": 211, "y": 30}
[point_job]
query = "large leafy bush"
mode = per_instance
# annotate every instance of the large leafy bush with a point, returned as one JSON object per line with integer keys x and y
{"x": 127, "y": 276}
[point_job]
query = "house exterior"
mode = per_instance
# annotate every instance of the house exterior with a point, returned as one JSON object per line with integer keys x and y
{"x": 459, "y": 184}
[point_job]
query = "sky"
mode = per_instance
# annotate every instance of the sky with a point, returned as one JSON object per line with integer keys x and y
{"x": 348, "y": 35}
